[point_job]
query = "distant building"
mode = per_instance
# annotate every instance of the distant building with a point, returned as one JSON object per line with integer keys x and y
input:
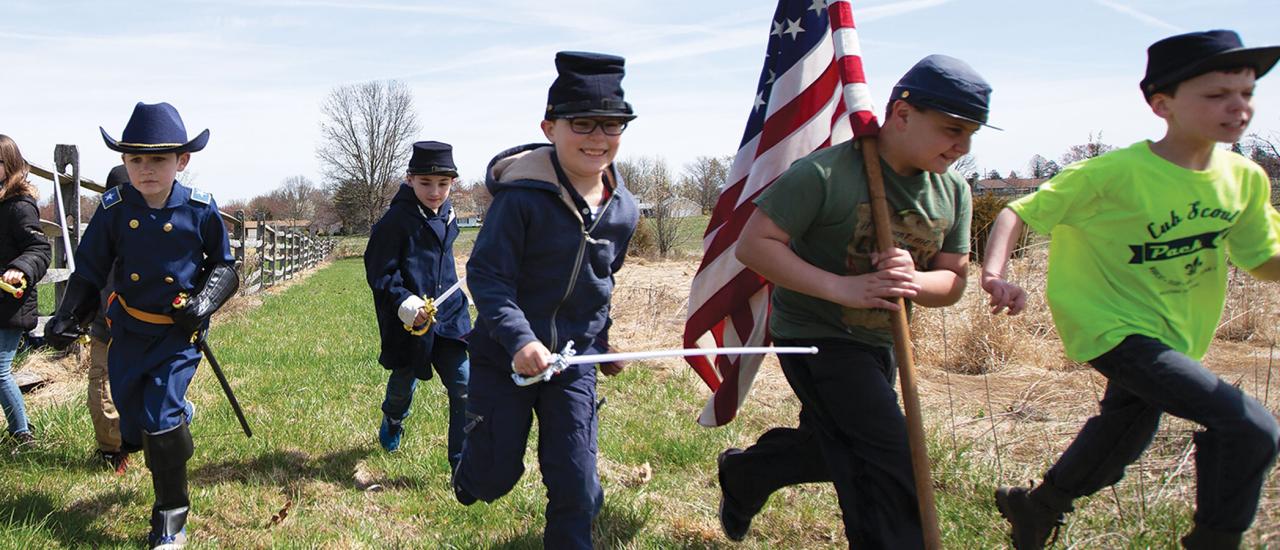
{"x": 677, "y": 207}
{"x": 469, "y": 221}
{"x": 1007, "y": 187}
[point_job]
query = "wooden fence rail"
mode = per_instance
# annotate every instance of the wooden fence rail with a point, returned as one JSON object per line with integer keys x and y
{"x": 269, "y": 256}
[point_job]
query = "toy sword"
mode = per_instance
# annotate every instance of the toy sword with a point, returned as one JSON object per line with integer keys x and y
{"x": 430, "y": 307}
{"x": 568, "y": 356}
{"x": 16, "y": 290}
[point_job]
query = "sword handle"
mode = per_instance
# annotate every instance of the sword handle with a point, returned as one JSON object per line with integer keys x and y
{"x": 555, "y": 365}
{"x": 16, "y": 290}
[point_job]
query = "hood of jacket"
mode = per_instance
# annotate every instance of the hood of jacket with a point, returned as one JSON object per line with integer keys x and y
{"x": 529, "y": 167}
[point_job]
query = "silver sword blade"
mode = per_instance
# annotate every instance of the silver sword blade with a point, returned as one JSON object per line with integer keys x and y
{"x": 654, "y": 354}
{"x": 560, "y": 361}
{"x": 450, "y": 291}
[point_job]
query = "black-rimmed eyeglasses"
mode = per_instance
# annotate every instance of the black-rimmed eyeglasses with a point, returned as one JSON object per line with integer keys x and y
{"x": 610, "y": 126}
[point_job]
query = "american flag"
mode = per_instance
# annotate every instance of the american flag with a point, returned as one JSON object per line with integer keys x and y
{"x": 812, "y": 70}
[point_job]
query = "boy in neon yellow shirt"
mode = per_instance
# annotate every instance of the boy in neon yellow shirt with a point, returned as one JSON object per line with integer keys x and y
{"x": 1137, "y": 281}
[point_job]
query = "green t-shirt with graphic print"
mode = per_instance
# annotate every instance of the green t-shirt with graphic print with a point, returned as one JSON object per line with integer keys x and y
{"x": 1138, "y": 246}
{"x": 822, "y": 203}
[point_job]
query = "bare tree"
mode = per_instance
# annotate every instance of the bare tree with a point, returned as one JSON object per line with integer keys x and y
{"x": 703, "y": 179}
{"x": 298, "y": 196}
{"x": 1265, "y": 151}
{"x": 967, "y": 167}
{"x": 1040, "y": 167}
{"x": 636, "y": 174}
{"x": 650, "y": 180}
{"x": 1094, "y": 148}
{"x": 470, "y": 198}
{"x": 366, "y": 138}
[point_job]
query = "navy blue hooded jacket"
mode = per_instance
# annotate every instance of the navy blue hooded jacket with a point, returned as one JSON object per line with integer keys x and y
{"x": 537, "y": 272}
{"x": 410, "y": 253}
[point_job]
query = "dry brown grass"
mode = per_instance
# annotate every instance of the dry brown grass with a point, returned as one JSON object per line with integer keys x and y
{"x": 1000, "y": 388}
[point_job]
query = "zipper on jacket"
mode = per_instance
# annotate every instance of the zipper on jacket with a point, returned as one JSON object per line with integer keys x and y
{"x": 577, "y": 266}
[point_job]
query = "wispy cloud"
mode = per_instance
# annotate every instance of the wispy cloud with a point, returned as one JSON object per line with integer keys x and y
{"x": 1139, "y": 15}
{"x": 872, "y": 13}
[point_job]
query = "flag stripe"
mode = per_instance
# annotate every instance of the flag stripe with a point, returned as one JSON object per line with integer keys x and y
{"x": 811, "y": 93}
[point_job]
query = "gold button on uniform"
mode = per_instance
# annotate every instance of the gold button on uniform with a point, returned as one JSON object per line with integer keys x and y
{"x": 134, "y": 277}
{"x": 168, "y": 227}
{"x": 133, "y": 224}
{"x": 168, "y": 280}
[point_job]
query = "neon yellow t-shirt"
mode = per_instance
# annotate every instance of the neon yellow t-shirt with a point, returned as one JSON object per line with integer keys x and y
{"x": 1138, "y": 246}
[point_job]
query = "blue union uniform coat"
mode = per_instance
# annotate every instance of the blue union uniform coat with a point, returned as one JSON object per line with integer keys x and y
{"x": 410, "y": 253}
{"x": 157, "y": 253}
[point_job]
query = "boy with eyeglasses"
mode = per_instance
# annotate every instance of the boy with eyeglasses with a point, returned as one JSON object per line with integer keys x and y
{"x": 541, "y": 274}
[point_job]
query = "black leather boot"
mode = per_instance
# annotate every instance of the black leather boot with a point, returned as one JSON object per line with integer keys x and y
{"x": 167, "y": 456}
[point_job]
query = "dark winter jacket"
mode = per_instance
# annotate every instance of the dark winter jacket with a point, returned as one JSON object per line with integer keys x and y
{"x": 410, "y": 253}
{"x": 537, "y": 271}
{"x": 24, "y": 247}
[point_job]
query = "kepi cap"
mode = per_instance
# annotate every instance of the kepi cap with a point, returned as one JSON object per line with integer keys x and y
{"x": 948, "y": 85}
{"x": 588, "y": 84}
{"x": 431, "y": 158}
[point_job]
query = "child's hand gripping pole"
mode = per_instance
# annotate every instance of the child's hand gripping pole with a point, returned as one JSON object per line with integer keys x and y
{"x": 429, "y": 309}
{"x": 16, "y": 290}
{"x": 557, "y": 362}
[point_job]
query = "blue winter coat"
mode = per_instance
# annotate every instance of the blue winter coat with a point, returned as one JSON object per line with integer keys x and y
{"x": 155, "y": 252}
{"x": 537, "y": 272}
{"x": 410, "y": 253}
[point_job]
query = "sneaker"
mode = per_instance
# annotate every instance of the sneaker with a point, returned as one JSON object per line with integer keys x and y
{"x": 167, "y": 542}
{"x": 734, "y": 521}
{"x": 389, "y": 434}
{"x": 1203, "y": 538}
{"x": 1031, "y": 523}
{"x": 22, "y": 441}
{"x": 118, "y": 461}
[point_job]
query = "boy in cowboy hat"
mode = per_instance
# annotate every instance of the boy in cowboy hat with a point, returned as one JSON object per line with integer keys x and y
{"x": 1137, "y": 281}
{"x": 409, "y": 256}
{"x": 541, "y": 275}
{"x": 164, "y": 240}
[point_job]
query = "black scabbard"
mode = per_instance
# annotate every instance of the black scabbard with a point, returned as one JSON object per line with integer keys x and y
{"x": 226, "y": 387}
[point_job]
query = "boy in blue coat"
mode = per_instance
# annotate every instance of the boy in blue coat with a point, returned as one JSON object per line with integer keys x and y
{"x": 541, "y": 274}
{"x": 410, "y": 258}
{"x": 163, "y": 239}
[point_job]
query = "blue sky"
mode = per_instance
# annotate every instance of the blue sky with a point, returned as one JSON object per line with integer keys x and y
{"x": 255, "y": 72}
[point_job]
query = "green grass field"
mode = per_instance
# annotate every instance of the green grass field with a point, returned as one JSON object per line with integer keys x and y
{"x": 303, "y": 364}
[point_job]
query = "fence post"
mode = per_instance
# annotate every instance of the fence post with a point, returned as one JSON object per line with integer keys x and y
{"x": 260, "y": 235}
{"x": 240, "y": 235}
{"x": 64, "y": 156}
{"x": 288, "y": 254}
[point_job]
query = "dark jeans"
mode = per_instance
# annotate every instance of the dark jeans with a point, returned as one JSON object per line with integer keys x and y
{"x": 449, "y": 357}
{"x": 493, "y": 453}
{"x": 1145, "y": 379}
{"x": 851, "y": 433}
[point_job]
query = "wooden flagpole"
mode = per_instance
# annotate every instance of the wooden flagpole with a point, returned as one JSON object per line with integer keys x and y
{"x": 902, "y": 350}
